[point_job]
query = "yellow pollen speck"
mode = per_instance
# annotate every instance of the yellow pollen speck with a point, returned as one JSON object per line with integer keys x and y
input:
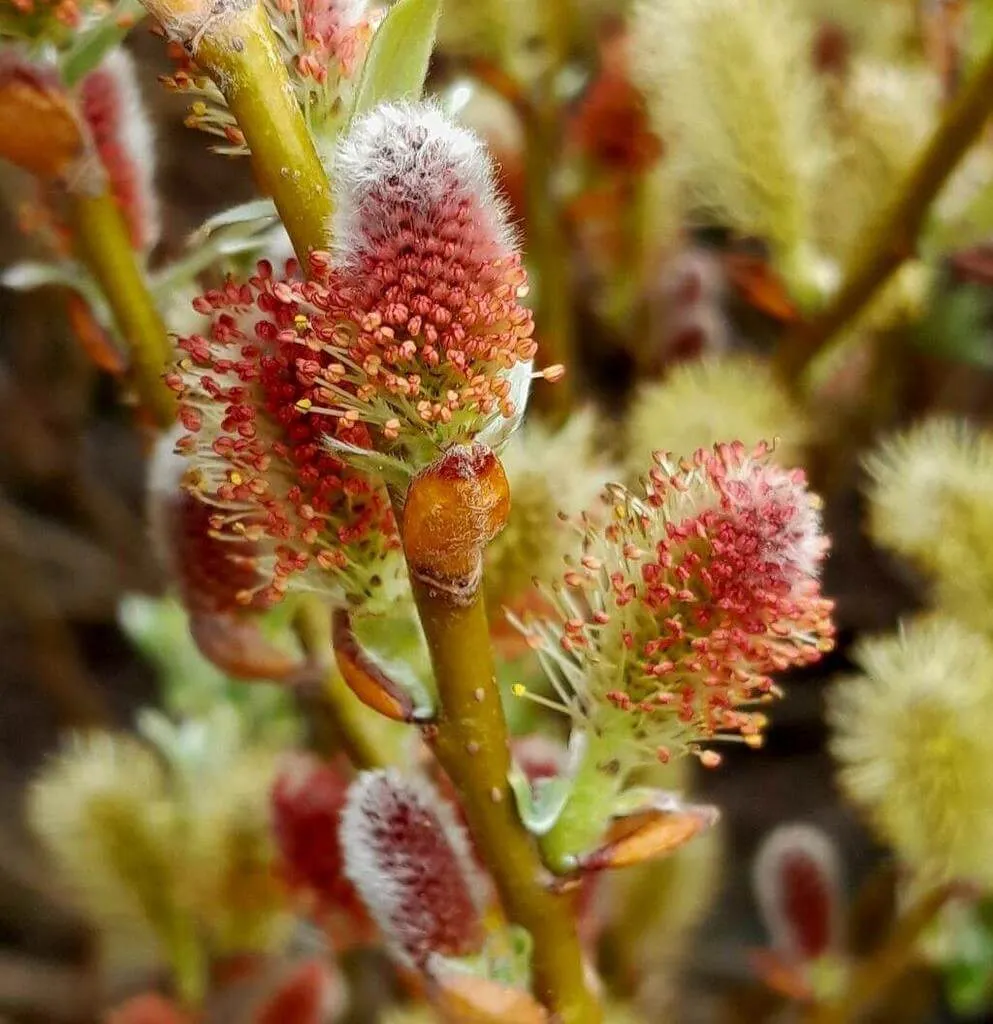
{"x": 518, "y": 689}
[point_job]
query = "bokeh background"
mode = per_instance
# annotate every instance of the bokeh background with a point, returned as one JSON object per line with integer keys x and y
{"x": 73, "y": 543}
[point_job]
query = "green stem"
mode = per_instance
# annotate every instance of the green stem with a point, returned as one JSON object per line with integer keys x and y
{"x": 472, "y": 744}
{"x": 580, "y": 826}
{"x": 101, "y": 239}
{"x": 234, "y": 43}
{"x": 471, "y": 738}
{"x": 348, "y": 718}
{"x": 892, "y": 239}
{"x": 187, "y": 960}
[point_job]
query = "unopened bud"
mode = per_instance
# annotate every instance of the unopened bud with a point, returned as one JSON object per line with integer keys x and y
{"x": 453, "y": 509}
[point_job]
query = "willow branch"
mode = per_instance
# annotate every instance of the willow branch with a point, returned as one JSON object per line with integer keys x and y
{"x": 344, "y": 711}
{"x": 233, "y": 42}
{"x": 893, "y": 238}
{"x": 472, "y": 744}
{"x": 100, "y": 237}
{"x": 470, "y": 738}
{"x": 451, "y": 510}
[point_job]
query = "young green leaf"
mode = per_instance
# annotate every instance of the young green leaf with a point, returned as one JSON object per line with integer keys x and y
{"x": 91, "y": 45}
{"x": 256, "y": 213}
{"x": 538, "y": 804}
{"x": 397, "y": 64}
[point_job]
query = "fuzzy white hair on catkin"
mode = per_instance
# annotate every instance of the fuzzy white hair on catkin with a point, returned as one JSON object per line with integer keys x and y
{"x": 798, "y": 547}
{"x": 410, "y": 156}
{"x": 729, "y": 82}
{"x": 370, "y": 800}
{"x": 350, "y": 12}
{"x": 166, "y": 468}
{"x": 923, "y": 481}
{"x": 886, "y": 114}
{"x": 795, "y": 839}
{"x": 138, "y": 139}
{"x": 166, "y": 465}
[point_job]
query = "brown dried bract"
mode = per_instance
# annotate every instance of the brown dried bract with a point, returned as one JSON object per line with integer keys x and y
{"x": 468, "y": 1000}
{"x": 234, "y": 642}
{"x": 93, "y": 339}
{"x": 647, "y": 835}
{"x": 39, "y": 130}
{"x": 364, "y": 677}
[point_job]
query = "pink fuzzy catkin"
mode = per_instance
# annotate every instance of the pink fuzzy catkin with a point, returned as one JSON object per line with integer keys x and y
{"x": 685, "y": 603}
{"x": 308, "y": 798}
{"x": 259, "y": 458}
{"x": 411, "y": 333}
{"x": 112, "y": 107}
{"x": 428, "y": 269}
{"x": 411, "y": 863}
{"x": 796, "y": 881}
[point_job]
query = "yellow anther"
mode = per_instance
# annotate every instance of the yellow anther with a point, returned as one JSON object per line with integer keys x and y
{"x": 236, "y": 478}
{"x": 199, "y": 109}
{"x": 304, "y": 404}
{"x": 518, "y": 689}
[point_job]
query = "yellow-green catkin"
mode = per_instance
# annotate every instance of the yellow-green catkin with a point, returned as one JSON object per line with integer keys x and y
{"x": 930, "y": 499}
{"x": 731, "y": 88}
{"x": 101, "y": 810}
{"x": 549, "y": 472}
{"x": 716, "y": 399}
{"x": 913, "y": 735}
{"x": 168, "y": 850}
